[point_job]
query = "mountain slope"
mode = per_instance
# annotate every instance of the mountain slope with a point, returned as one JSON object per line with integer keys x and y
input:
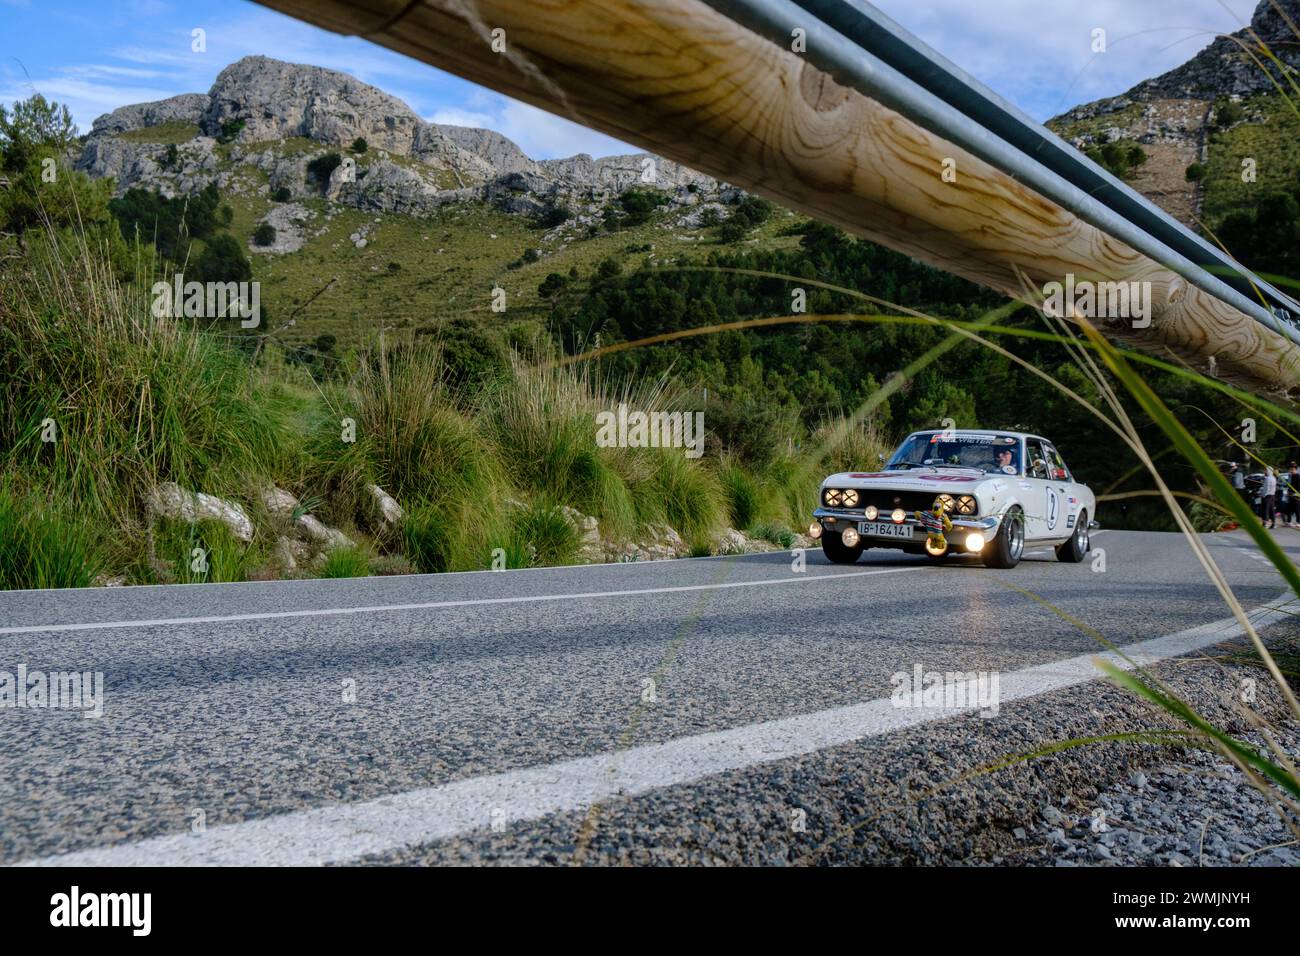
{"x": 1223, "y": 105}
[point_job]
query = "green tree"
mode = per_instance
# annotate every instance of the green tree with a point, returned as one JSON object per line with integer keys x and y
{"x": 230, "y": 131}
{"x": 223, "y": 260}
{"x": 552, "y": 286}
{"x": 322, "y": 167}
{"x": 35, "y": 136}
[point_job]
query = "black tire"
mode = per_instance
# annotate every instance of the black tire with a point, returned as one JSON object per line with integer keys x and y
{"x": 1074, "y": 550}
{"x": 837, "y": 551}
{"x": 1005, "y": 550}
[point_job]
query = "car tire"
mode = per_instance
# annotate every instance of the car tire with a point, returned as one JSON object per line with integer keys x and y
{"x": 837, "y": 551}
{"x": 1006, "y": 548}
{"x": 1074, "y": 550}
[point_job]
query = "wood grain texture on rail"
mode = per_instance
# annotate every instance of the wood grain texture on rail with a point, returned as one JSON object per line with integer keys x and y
{"x": 679, "y": 79}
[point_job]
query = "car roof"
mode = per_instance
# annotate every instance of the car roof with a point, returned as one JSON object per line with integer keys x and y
{"x": 979, "y": 431}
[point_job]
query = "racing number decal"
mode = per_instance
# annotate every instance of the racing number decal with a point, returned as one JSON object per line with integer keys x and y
{"x": 1053, "y": 509}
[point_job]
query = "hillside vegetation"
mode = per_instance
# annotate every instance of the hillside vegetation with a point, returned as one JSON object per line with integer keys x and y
{"x": 381, "y": 369}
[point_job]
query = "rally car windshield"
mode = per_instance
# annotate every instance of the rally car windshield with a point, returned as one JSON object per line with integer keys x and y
{"x": 940, "y": 450}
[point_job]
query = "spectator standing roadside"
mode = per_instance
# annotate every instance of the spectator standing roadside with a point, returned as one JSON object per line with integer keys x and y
{"x": 1268, "y": 494}
{"x": 1291, "y": 513}
{"x": 1238, "y": 477}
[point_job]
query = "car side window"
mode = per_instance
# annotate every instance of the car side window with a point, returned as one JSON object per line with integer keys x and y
{"x": 1038, "y": 460}
{"x": 1055, "y": 463}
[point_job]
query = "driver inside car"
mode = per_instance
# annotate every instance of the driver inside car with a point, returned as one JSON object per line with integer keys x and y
{"x": 1005, "y": 459}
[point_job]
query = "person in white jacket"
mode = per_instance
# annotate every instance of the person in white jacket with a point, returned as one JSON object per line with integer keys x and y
{"x": 1268, "y": 495}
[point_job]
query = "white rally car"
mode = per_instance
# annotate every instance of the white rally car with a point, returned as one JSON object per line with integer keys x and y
{"x": 998, "y": 489}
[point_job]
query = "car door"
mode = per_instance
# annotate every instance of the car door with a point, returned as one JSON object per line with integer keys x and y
{"x": 1039, "y": 498}
{"x": 1062, "y": 504}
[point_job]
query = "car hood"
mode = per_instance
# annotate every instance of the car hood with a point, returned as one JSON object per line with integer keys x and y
{"x": 943, "y": 479}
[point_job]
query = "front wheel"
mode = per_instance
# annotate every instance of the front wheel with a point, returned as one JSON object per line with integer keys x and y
{"x": 837, "y": 550}
{"x": 1074, "y": 550}
{"x": 1005, "y": 549}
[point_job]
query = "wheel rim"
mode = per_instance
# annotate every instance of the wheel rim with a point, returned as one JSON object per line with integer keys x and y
{"x": 1015, "y": 537}
{"x": 1083, "y": 537}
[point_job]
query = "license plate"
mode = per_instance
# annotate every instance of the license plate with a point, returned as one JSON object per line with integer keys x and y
{"x": 885, "y": 529}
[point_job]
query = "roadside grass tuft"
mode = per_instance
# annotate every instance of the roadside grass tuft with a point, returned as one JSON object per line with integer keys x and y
{"x": 42, "y": 545}
{"x": 346, "y": 563}
{"x": 203, "y": 552}
{"x": 541, "y": 536}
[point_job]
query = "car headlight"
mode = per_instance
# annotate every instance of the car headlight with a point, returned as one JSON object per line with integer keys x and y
{"x": 871, "y": 513}
{"x": 946, "y": 502}
{"x": 967, "y": 505}
{"x": 833, "y": 497}
{"x": 850, "y": 498}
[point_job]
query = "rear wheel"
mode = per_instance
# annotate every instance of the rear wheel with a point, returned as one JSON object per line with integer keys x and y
{"x": 1074, "y": 550}
{"x": 1005, "y": 549}
{"x": 837, "y": 550}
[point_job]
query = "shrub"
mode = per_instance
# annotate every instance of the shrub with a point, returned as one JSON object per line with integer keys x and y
{"x": 43, "y": 545}
{"x": 552, "y": 285}
{"x": 690, "y": 497}
{"x": 1195, "y": 172}
{"x": 264, "y": 234}
{"x": 346, "y": 563}
{"x": 541, "y": 536}
{"x": 427, "y": 540}
{"x": 281, "y": 194}
{"x": 322, "y": 167}
{"x": 742, "y": 492}
{"x": 1227, "y": 113}
{"x": 137, "y": 400}
{"x": 196, "y": 553}
{"x": 230, "y": 131}
{"x": 223, "y": 260}
{"x": 551, "y": 215}
{"x": 546, "y": 418}
{"x": 414, "y": 442}
{"x": 774, "y": 534}
{"x": 639, "y": 204}
{"x": 359, "y": 145}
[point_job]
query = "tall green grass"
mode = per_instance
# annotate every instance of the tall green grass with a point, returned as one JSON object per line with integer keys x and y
{"x": 412, "y": 440}
{"x": 104, "y": 401}
{"x": 346, "y": 563}
{"x": 42, "y": 544}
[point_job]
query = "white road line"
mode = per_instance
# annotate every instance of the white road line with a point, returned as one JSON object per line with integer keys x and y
{"x": 342, "y": 833}
{"x": 430, "y": 605}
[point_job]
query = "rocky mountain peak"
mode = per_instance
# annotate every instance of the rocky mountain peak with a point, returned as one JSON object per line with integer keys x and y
{"x": 258, "y": 105}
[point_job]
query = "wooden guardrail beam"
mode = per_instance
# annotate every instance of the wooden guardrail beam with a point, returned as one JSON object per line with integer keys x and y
{"x": 679, "y": 79}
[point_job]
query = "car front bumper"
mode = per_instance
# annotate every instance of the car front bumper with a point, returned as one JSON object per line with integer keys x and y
{"x": 832, "y": 518}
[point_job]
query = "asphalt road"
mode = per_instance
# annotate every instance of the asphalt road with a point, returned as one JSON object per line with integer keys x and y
{"x": 705, "y": 710}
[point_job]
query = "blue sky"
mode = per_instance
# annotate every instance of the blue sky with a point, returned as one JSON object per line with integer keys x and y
{"x": 96, "y": 55}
